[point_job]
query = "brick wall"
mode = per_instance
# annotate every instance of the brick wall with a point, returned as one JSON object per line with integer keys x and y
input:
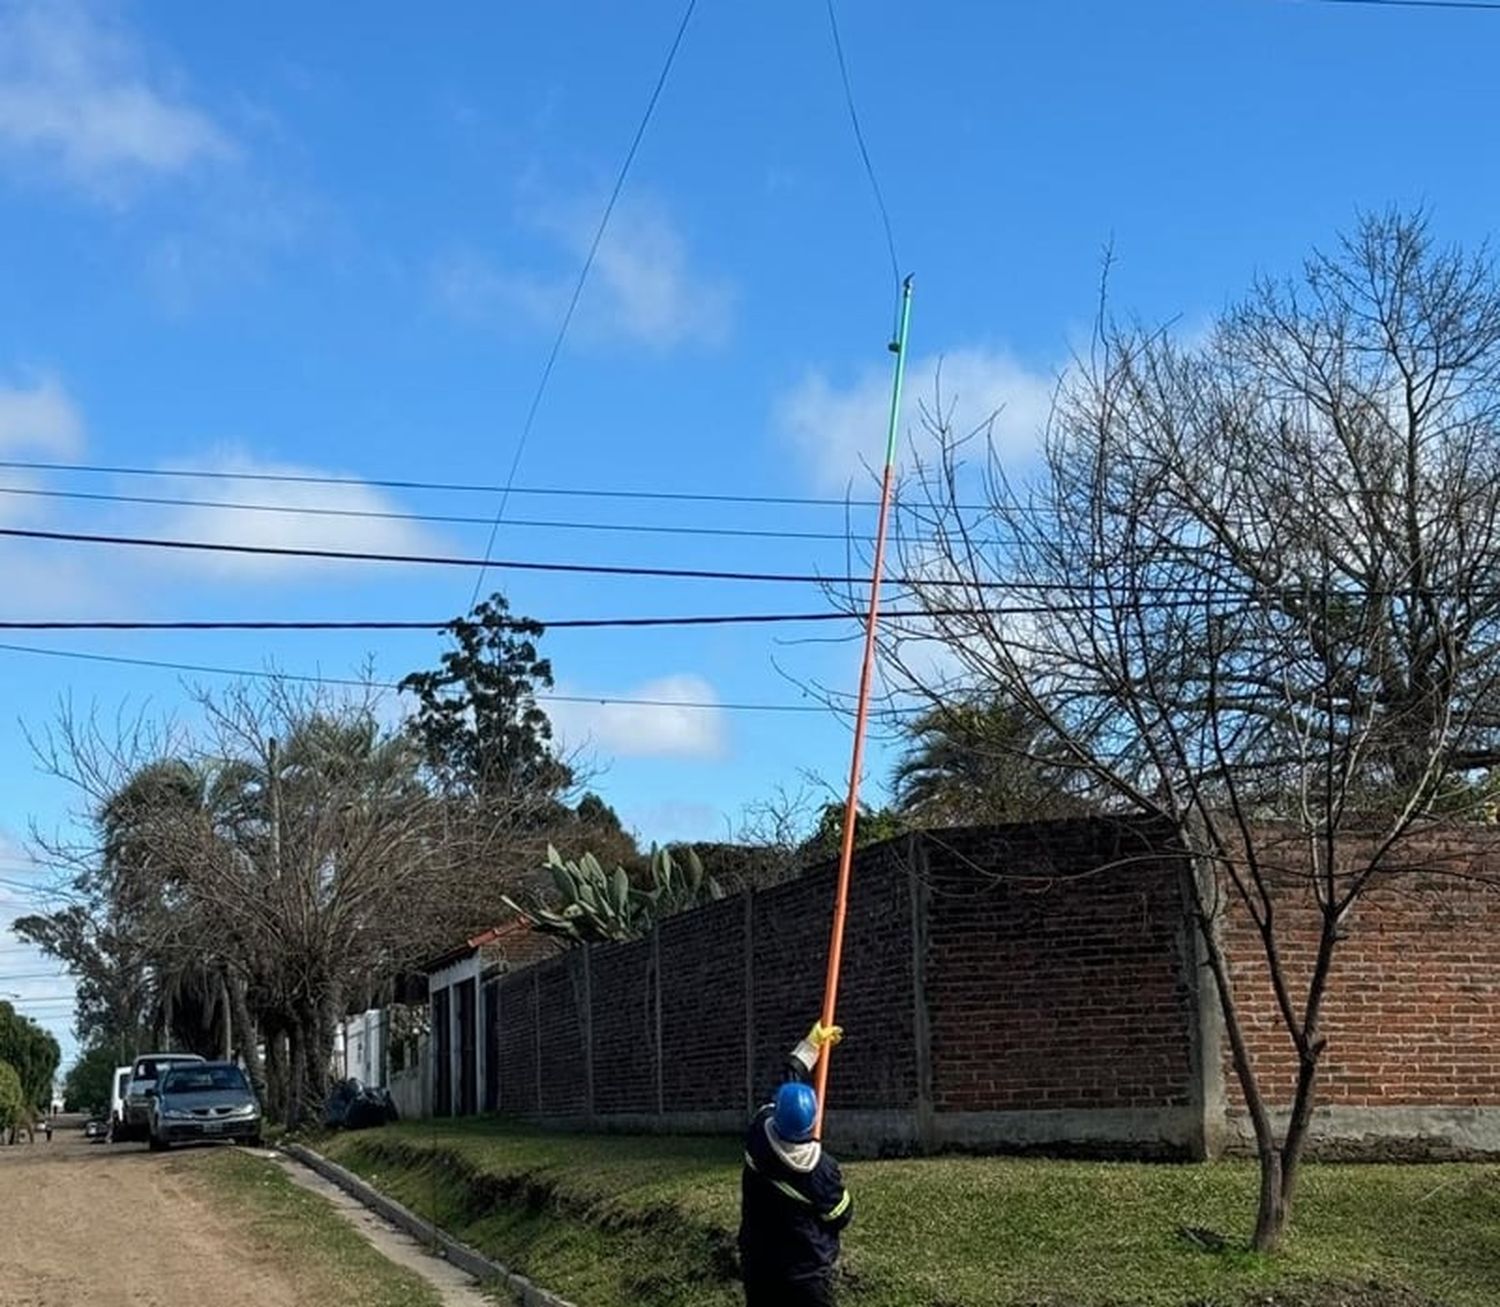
{"x": 563, "y": 1054}
{"x": 702, "y": 956}
{"x": 965, "y": 990}
{"x": 1413, "y": 1008}
{"x": 517, "y": 1045}
{"x": 1063, "y": 986}
{"x": 622, "y": 986}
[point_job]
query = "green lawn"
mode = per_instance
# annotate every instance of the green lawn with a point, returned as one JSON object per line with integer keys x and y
{"x": 611, "y": 1221}
{"x": 329, "y": 1261}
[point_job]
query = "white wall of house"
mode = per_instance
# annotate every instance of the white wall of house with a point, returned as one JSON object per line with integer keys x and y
{"x": 411, "y": 1087}
{"x": 359, "y": 1047}
{"x": 449, "y": 978}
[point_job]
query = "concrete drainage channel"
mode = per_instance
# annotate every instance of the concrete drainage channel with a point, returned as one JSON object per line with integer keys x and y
{"x": 459, "y": 1256}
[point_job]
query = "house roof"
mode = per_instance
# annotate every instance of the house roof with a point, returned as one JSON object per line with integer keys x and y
{"x": 515, "y": 928}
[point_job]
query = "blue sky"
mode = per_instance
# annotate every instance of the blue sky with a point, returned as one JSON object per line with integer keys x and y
{"x": 283, "y": 238}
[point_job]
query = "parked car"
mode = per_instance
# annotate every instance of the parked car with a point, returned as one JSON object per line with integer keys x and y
{"x": 203, "y": 1101}
{"x": 135, "y": 1120}
{"x": 117, "y": 1102}
{"x": 94, "y": 1129}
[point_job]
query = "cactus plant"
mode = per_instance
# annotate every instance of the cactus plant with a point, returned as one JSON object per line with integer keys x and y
{"x": 593, "y": 905}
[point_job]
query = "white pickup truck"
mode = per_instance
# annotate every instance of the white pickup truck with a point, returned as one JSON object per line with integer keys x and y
{"x": 135, "y": 1120}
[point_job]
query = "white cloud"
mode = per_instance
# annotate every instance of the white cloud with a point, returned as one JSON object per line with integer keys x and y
{"x": 642, "y": 287}
{"x": 41, "y": 419}
{"x": 663, "y": 729}
{"x": 76, "y": 92}
{"x": 336, "y": 524}
{"x": 839, "y": 430}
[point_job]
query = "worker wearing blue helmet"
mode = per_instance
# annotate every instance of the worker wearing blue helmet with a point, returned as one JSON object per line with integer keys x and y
{"x": 793, "y": 1201}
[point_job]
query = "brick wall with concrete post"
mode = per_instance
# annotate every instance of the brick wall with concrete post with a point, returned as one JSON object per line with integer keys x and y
{"x": 1002, "y": 987}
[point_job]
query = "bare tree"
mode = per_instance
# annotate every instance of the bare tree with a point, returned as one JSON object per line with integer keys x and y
{"x": 281, "y": 861}
{"x": 1256, "y": 592}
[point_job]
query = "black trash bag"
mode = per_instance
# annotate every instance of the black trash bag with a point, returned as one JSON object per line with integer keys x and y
{"x": 353, "y": 1105}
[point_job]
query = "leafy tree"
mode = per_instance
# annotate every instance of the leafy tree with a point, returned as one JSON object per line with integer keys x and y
{"x": 14, "y": 1109}
{"x": 478, "y": 724}
{"x": 31, "y": 1052}
{"x": 89, "y": 1084}
{"x": 873, "y": 826}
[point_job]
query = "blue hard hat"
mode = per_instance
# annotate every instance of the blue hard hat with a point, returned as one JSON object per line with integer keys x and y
{"x": 796, "y": 1112}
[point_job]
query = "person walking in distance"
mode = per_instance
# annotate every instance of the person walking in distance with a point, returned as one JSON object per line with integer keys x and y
{"x": 793, "y": 1204}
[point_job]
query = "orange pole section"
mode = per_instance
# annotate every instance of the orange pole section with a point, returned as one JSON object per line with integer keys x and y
{"x": 861, "y": 715}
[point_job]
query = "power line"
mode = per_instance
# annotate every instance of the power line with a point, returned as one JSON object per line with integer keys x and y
{"x": 1183, "y": 595}
{"x": 578, "y": 623}
{"x": 207, "y": 669}
{"x": 864, "y": 153}
{"x": 440, "y": 519}
{"x": 583, "y": 275}
{"x": 431, "y": 560}
{"x": 448, "y": 487}
{"x": 1417, "y": 4}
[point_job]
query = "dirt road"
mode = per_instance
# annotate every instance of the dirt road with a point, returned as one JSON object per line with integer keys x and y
{"x": 95, "y": 1225}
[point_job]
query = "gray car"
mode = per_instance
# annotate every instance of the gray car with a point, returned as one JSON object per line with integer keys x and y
{"x": 206, "y": 1101}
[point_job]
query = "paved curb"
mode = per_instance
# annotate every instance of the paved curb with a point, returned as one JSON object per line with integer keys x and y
{"x": 460, "y": 1254}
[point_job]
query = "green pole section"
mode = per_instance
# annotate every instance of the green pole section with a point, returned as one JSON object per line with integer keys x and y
{"x": 898, "y": 347}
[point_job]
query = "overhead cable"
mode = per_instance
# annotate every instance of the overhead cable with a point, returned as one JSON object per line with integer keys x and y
{"x": 247, "y": 673}
{"x": 583, "y": 276}
{"x": 437, "y": 519}
{"x": 445, "y": 487}
{"x": 864, "y": 151}
{"x": 1417, "y": 4}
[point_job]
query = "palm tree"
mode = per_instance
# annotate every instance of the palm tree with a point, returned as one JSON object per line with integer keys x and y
{"x": 979, "y": 763}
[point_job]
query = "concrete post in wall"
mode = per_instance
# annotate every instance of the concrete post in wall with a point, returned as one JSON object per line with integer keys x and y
{"x": 748, "y": 894}
{"x": 656, "y": 1016}
{"x": 1206, "y": 1028}
{"x": 586, "y": 1031}
{"x": 536, "y": 1031}
{"x": 921, "y": 902}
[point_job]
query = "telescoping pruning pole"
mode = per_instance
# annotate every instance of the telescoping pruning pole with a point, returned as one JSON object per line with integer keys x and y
{"x": 862, "y": 711}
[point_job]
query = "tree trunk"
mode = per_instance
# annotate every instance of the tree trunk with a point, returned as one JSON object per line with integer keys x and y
{"x": 297, "y": 1080}
{"x": 245, "y": 1029}
{"x": 1270, "y": 1216}
{"x": 1296, "y": 1131}
{"x": 276, "y": 1069}
{"x": 226, "y": 1010}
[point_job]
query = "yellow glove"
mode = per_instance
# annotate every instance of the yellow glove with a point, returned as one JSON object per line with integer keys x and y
{"x": 821, "y": 1036}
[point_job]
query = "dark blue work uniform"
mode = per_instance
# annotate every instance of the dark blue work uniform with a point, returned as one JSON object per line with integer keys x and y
{"x": 789, "y": 1224}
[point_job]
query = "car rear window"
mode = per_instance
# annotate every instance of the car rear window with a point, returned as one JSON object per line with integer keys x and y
{"x": 155, "y": 1068}
{"x": 202, "y": 1079}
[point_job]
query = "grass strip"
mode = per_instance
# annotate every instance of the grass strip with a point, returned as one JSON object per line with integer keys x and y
{"x": 617, "y": 1220}
{"x": 331, "y": 1264}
